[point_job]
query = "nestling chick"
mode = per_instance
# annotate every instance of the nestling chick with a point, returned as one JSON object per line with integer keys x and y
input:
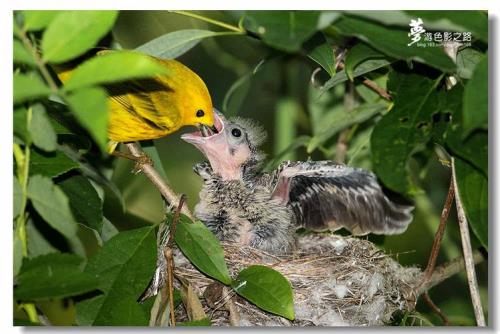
{"x": 242, "y": 204}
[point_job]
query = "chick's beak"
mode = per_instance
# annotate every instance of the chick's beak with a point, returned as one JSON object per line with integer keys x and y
{"x": 207, "y": 131}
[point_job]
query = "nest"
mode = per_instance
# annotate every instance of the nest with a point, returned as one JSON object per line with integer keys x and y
{"x": 336, "y": 281}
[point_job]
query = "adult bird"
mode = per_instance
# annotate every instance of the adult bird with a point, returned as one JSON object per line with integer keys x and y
{"x": 242, "y": 204}
{"x": 143, "y": 109}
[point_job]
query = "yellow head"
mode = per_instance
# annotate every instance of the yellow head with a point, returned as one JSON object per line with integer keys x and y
{"x": 193, "y": 99}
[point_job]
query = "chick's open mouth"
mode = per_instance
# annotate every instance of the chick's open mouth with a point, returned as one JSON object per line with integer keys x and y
{"x": 205, "y": 131}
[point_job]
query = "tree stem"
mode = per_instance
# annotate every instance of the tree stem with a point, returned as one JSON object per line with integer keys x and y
{"x": 39, "y": 62}
{"x": 447, "y": 270}
{"x": 439, "y": 235}
{"x": 152, "y": 174}
{"x": 467, "y": 249}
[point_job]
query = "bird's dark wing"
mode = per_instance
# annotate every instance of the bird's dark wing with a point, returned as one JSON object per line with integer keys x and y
{"x": 324, "y": 195}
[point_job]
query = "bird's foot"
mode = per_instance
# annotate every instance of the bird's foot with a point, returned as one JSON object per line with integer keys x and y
{"x": 203, "y": 169}
{"x": 140, "y": 161}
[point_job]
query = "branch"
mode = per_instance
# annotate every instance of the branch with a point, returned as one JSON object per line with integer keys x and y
{"x": 155, "y": 178}
{"x": 435, "y": 308}
{"x": 447, "y": 270}
{"x": 467, "y": 248}
{"x": 439, "y": 235}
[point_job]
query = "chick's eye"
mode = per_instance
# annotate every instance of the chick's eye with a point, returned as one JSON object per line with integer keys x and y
{"x": 236, "y": 132}
{"x": 200, "y": 113}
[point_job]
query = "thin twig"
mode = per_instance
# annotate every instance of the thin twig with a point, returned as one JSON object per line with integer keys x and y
{"x": 439, "y": 235}
{"x": 379, "y": 90}
{"x": 467, "y": 249}
{"x": 155, "y": 178}
{"x": 170, "y": 259}
{"x": 170, "y": 283}
{"x": 435, "y": 308}
{"x": 209, "y": 20}
{"x": 39, "y": 62}
{"x": 372, "y": 85}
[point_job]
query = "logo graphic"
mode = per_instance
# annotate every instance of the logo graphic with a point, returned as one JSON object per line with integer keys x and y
{"x": 416, "y": 30}
{"x": 420, "y": 37}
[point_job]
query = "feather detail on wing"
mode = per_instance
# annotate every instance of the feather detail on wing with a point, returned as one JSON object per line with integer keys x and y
{"x": 324, "y": 195}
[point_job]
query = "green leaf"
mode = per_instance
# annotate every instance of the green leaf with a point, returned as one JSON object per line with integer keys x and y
{"x": 21, "y": 122}
{"x": 473, "y": 21}
{"x": 394, "y": 42}
{"x": 441, "y": 20}
{"x": 467, "y": 60}
{"x": 112, "y": 67}
{"x": 325, "y": 57}
{"x": 473, "y": 148}
{"x": 17, "y": 253}
{"x": 405, "y": 129}
{"x": 52, "y": 204}
{"x": 363, "y": 68}
{"x": 72, "y": 33}
{"x": 476, "y": 99}
{"x": 38, "y": 243}
{"x": 176, "y": 43}
{"x": 50, "y": 164}
{"x": 340, "y": 119}
{"x": 41, "y": 131}
{"x": 53, "y": 275}
{"x": 473, "y": 191}
{"x": 18, "y": 195}
{"x": 266, "y": 288}
{"x": 90, "y": 106}
{"x": 108, "y": 230}
{"x": 38, "y": 19}
{"x": 202, "y": 248}
{"x": 16, "y": 29}
{"x": 236, "y": 94}
{"x": 196, "y": 323}
{"x": 84, "y": 201}
{"x": 326, "y": 18}
{"x": 28, "y": 87}
{"x": 386, "y": 17}
{"x": 357, "y": 55}
{"x": 124, "y": 265}
{"x": 283, "y": 30}
{"x": 329, "y": 117}
{"x": 21, "y": 55}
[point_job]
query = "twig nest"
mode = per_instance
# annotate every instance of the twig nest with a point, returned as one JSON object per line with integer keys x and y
{"x": 336, "y": 281}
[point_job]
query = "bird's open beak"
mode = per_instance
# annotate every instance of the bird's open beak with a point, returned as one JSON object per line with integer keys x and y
{"x": 206, "y": 132}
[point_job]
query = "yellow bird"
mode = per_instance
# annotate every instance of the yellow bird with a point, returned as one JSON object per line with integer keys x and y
{"x": 144, "y": 109}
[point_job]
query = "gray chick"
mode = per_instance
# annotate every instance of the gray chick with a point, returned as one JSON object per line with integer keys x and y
{"x": 242, "y": 204}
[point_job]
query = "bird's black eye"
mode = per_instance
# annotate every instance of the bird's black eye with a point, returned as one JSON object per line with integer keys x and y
{"x": 236, "y": 132}
{"x": 200, "y": 113}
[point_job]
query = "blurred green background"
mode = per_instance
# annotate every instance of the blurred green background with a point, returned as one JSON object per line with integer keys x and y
{"x": 280, "y": 82}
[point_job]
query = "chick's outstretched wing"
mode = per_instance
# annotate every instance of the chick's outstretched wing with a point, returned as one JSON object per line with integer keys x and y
{"x": 325, "y": 195}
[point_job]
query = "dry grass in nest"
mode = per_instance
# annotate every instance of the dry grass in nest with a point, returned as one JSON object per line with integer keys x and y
{"x": 336, "y": 281}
